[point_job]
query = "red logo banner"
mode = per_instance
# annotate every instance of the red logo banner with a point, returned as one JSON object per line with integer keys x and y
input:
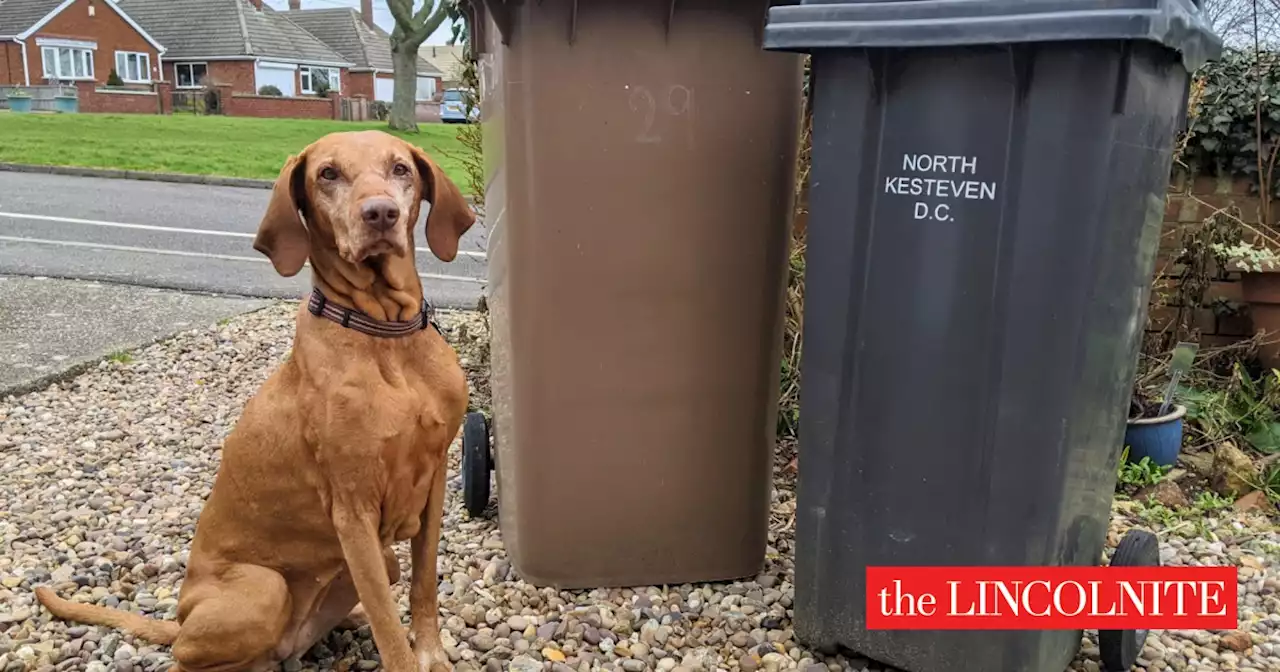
{"x": 1051, "y": 598}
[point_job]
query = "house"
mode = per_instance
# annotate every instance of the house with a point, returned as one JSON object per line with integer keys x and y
{"x": 354, "y": 35}
{"x": 448, "y": 60}
{"x": 241, "y": 44}
{"x": 77, "y": 42}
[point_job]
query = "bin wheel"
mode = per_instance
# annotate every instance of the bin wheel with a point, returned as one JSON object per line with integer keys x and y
{"x": 476, "y": 464}
{"x": 1120, "y": 648}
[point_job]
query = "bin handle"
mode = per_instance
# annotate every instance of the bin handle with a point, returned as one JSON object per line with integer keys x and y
{"x": 573, "y": 22}
{"x": 500, "y": 10}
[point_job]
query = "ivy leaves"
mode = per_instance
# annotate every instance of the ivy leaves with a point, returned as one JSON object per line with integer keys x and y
{"x": 1224, "y": 130}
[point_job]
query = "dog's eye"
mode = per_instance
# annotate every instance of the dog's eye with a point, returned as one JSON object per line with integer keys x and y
{"x": 328, "y": 174}
{"x": 400, "y": 170}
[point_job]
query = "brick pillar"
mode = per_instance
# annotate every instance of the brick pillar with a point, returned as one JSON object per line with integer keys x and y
{"x": 225, "y": 98}
{"x": 335, "y": 99}
{"x": 164, "y": 91}
{"x": 85, "y": 94}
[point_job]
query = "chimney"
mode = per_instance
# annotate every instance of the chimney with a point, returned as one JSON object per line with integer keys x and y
{"x": 295, "y": 5}
{"x": 366, "y": 12}
{"x": 257, "y": 4}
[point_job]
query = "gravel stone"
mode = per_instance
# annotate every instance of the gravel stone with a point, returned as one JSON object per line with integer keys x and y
{"x": 104, "y": 476}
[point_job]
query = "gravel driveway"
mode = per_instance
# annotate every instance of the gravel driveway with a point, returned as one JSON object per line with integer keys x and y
{"x": 102, "y": 478}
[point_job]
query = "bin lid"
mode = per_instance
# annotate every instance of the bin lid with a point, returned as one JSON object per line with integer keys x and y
{"x": 828, "y": 24}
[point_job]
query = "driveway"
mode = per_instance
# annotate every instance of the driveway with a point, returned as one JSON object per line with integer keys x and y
{"x": 176, "y": 236}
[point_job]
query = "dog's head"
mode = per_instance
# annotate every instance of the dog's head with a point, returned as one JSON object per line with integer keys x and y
{"x": 359, "y": 194}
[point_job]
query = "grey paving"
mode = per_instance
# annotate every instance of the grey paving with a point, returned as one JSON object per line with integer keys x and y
{"x": 51, "y": 328}
{"x": 174, "y": 236}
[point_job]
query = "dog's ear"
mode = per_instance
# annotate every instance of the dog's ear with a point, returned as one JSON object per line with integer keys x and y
{"x": 450, "y": 216}
{"x": 282, "y": 235}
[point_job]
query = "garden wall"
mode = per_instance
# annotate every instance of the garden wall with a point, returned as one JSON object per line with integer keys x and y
{"x": 1222, "y": 318}
{"x": 245, "y": 105}
{"x": 97, "y": 100}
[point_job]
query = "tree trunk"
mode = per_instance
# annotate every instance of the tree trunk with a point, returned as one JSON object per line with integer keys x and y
{"x": 404, "y": 55}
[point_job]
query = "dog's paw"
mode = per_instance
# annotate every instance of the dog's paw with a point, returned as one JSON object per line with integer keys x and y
{"x": 434, "y": 661}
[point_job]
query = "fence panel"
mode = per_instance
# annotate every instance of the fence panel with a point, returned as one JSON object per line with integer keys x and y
{"x": 42, "y": 97}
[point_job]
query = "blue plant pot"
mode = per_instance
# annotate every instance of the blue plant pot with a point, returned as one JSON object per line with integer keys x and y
{"x": 19, "y": 104}
{"x": 1157, "y": 438}
{"x": 68, "y": 104}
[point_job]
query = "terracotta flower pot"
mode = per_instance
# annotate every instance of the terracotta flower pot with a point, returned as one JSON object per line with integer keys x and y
{"x": 1262, "y": 292}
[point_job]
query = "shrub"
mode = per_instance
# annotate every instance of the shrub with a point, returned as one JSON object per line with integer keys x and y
{"x": 1240, "y": 91}
{"x": 270, "y": 90}
{"x": 321, "y": 86}
{"x": 380, "y": 109}
{"x": 113, "y": 79}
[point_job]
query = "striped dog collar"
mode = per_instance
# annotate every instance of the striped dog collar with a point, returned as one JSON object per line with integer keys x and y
{"x": 351, "y": 318}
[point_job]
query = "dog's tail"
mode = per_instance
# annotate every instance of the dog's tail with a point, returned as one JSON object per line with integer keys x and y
{"x": 150, "y": 629}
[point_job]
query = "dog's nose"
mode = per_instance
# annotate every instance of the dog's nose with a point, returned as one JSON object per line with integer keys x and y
{"x": 380, "y": 213}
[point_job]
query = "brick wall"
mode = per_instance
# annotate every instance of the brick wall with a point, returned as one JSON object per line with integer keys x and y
{"x": 241, "y": 105}
{"x": 427, "y": 111}
{"x": 96, "y": 100}
{"x": 103, "y": 26}
{"x": 240, "y": 76}
{"x": 237, "y": 74}
{"x": 344, "y": 81}
{"x": 358, "y": 84}
{"x": 1222, "y": 318}
{"x": 11, "y": 63}
{"x": 165, "y": 92}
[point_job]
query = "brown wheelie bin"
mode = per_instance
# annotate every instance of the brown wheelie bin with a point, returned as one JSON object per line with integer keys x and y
{"x": 640, "y": 158}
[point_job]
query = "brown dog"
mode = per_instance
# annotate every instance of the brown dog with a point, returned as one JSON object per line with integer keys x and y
{"x": 343, "y": 450}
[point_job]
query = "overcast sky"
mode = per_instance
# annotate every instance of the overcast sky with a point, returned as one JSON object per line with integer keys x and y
{"x": 381, "y": 15}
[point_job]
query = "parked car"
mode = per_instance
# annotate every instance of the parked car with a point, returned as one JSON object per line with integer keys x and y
{"x": 453, "y": 108}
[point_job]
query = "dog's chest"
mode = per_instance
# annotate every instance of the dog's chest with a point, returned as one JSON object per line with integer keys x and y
{"x": 410, "y": 447}
{"x": 382, "y": 434}
{"x": 409, "y": 476}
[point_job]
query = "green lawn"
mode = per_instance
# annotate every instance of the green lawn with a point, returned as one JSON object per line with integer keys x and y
{"x": 200, "y": 145}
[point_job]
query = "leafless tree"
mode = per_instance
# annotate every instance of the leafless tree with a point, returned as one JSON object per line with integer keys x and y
{"x": 415, "y": 20}
{"x": 1233, "y": 20}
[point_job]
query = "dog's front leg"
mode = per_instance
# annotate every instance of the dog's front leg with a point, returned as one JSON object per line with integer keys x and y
{"x": 423, "y": 600}
{"x": 358, "y": 534}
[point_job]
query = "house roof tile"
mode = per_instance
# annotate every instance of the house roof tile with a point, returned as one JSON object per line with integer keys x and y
{"x": 18, "y": 15}
{"x": 344, "y": 31}
{"x": 226, "y": 29}
{"x": 446, "y": 58}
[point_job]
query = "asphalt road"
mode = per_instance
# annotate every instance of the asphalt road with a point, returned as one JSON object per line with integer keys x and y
{"x": 176, "y": 236}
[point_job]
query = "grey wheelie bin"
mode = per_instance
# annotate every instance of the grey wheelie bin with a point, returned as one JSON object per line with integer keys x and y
{"x": 988, "y": 183}
{"x": 641, "y": 166}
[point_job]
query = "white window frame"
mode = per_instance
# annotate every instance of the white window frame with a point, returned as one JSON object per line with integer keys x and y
{"x": 143, "y": 60}
{"x": 424, "y": 95}
{"x": 305, "y": 73}
{"x": 195, "y": 82}
{"x": 51, "y": 56}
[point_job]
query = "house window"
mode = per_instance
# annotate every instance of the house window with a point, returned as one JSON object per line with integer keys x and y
{"x": 191, "y": 75}
{"x": 312, "y": 76}
{"x": 67, "y": 62}
{"x": 133, "y": 67}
